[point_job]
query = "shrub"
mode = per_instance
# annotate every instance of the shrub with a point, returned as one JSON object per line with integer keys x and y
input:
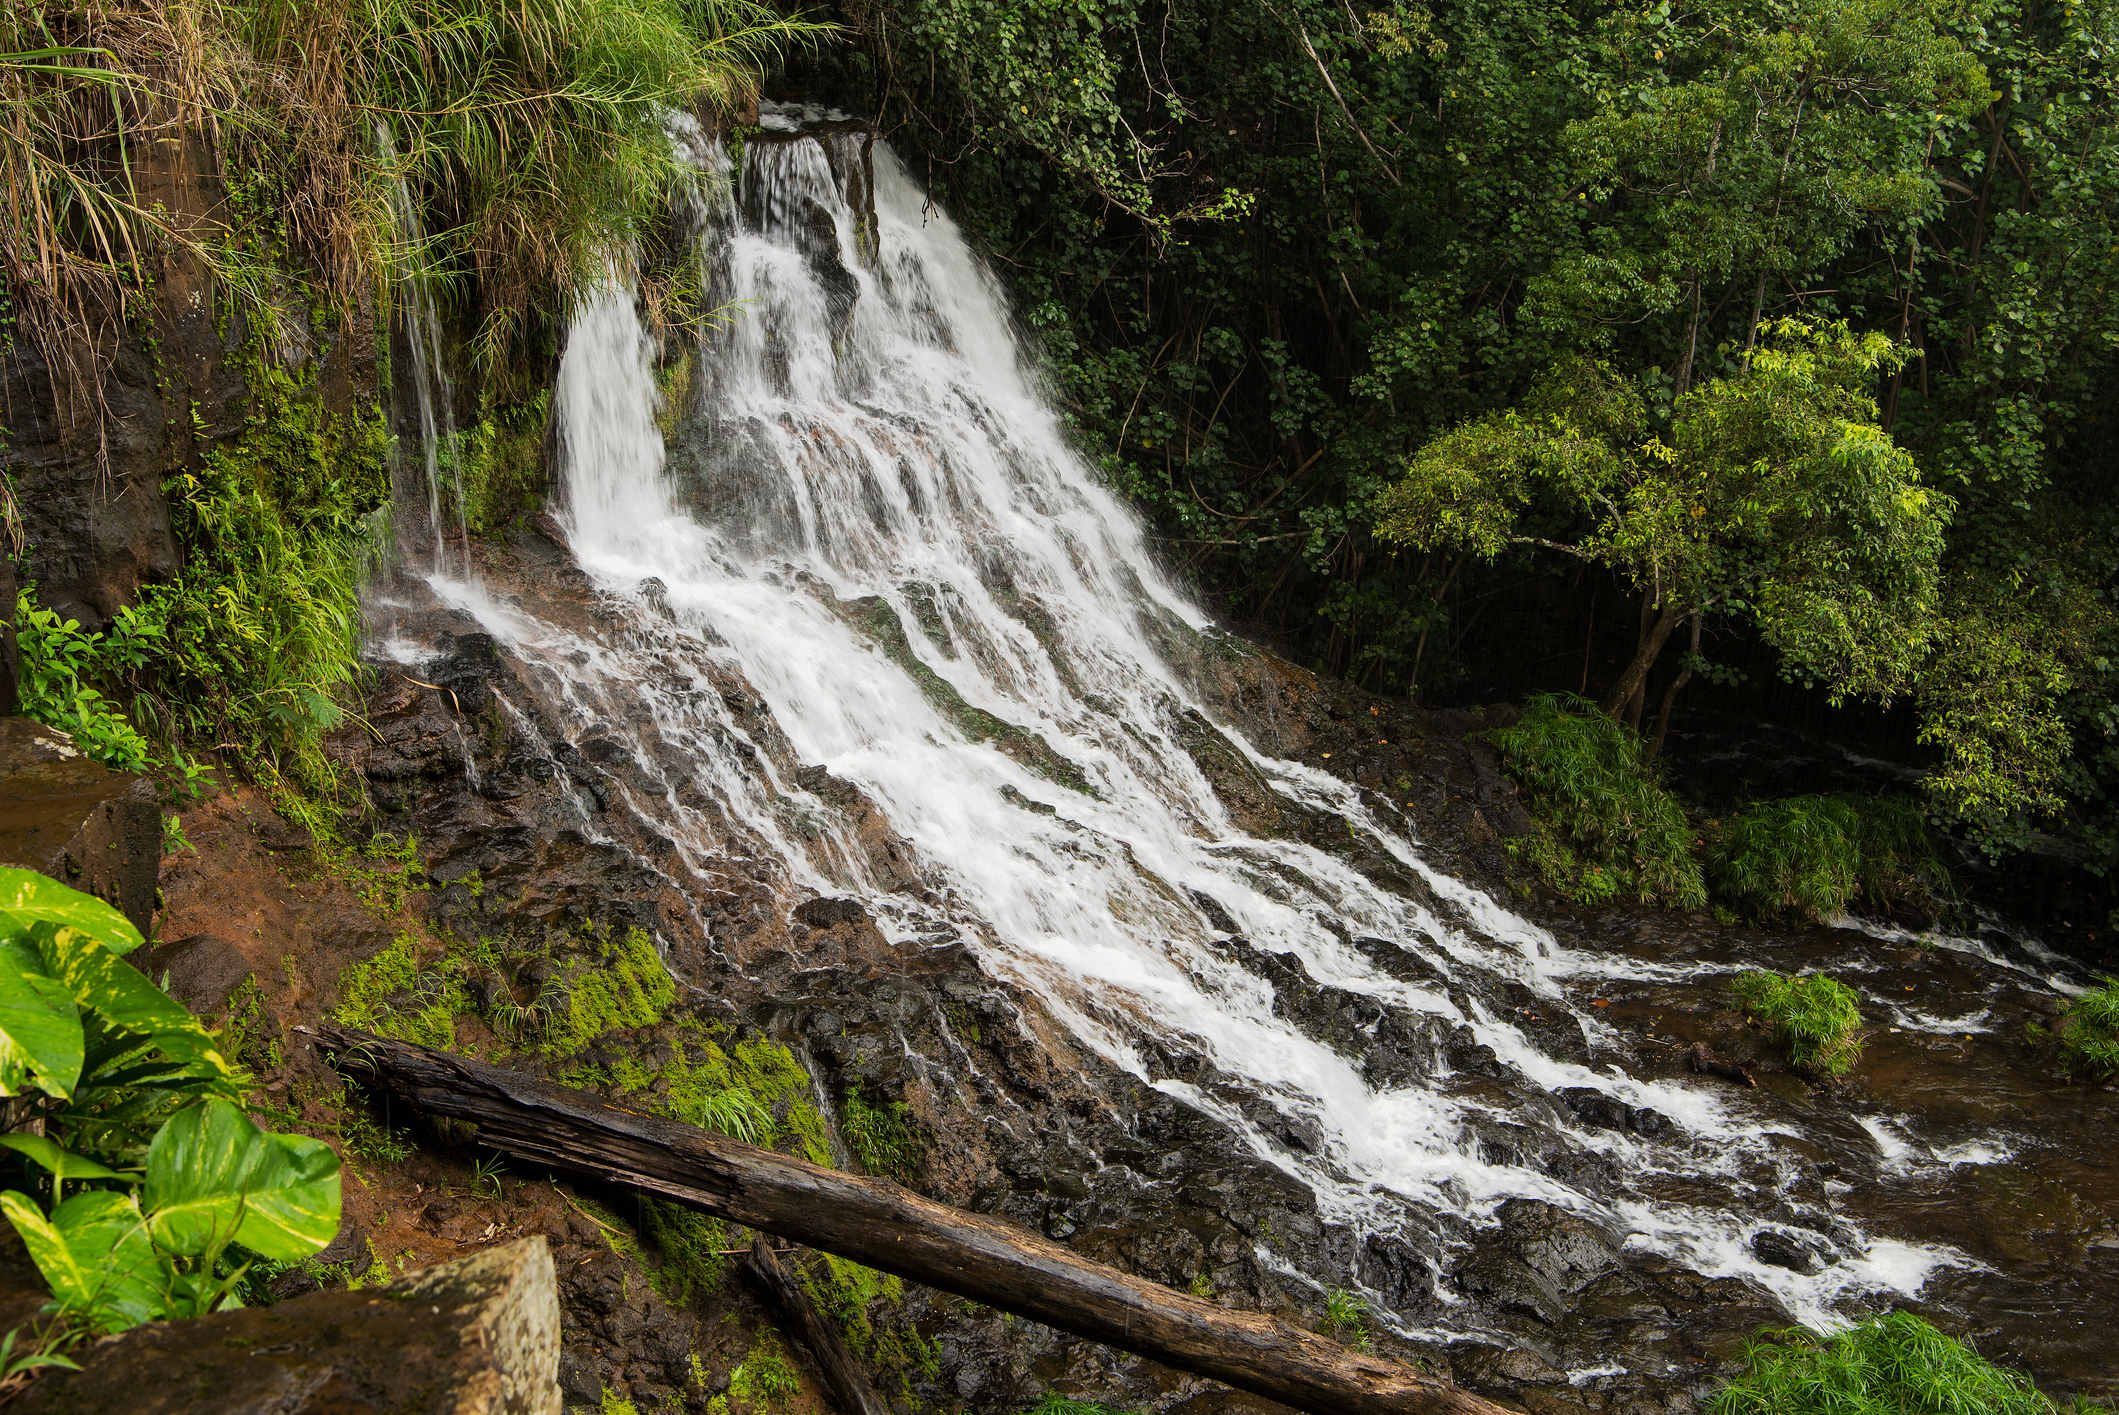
{"x": 1607, "y": 826}
{"x": 1813, "y": 1018}
{"x": 1890, "y": 1365}
{"x": 2089, "y": 1034}
{"x": 1810, "y": 856}
{"x": 60, "y": 666}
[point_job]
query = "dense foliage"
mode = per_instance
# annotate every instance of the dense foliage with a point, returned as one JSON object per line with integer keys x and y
{"x": 1810, "y": 857}
{"x": 1276, "y": 250}
{"x": 151, "y": 1173}
{"x": 1605, "y": 825}
{"x": 2089, "y": 1034}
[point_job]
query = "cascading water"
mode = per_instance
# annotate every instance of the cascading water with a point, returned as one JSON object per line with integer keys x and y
{"x": 429, "y": 375}
{"x": 867, "y": 508}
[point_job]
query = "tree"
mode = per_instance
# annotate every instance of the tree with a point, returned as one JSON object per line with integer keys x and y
{"x": 1736, "y": 146}
{"x": 1776, "y": 498}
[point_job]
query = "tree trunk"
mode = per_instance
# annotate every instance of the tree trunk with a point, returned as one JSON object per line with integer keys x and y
{"x": 848, "y": 1384}
{"x": 1683, "y": 383}
{"x": 1670, "y": 694}
{"x": 1624, "y": 691}
{"x": 875, "y": 1222}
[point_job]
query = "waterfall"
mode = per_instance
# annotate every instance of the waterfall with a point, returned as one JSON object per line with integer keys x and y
{"x": 430, "y": 373}
{"x": 870, "y": 508}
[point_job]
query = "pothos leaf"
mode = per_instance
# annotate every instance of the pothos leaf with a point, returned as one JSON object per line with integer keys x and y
{"x": 40, "y": 1032}
{"x": 28, "y": 898}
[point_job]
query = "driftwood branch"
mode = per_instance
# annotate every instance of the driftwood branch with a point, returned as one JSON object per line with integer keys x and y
{"x": 877, "y": 1223}
{"x": 846, "y": 1381}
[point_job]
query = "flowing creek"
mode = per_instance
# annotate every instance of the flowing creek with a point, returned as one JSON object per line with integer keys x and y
{"x": 859, "y": 502}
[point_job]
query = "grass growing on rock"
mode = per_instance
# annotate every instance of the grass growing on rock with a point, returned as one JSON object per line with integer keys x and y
{"x": 882, "y": 1137}
{"x": 2089, "y": 1034}
{"x": 1895, "y": 1364}
{"x": 1606, "y": 825}
{"x": 1809, "y": 857}
{"x": 1814, "y": 1018}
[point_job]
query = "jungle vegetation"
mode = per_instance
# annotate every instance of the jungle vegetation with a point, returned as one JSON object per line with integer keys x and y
{"x": 1475, "y": 350}
{"x": 1468, "y": 351}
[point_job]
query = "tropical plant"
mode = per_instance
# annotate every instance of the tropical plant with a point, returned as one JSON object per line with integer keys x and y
{"x": 1814, "y": 1018}
{"x": 59, "y": 665}
{"x": 1812, "y": 856}
{"x": 1605, "y": 825}
{"x": 2089, "y": 1033}
{"x": 1895, "y": 1364}
{"x": 141, "y": 1117}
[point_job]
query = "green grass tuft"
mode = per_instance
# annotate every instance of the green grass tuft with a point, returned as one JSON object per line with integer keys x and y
{"x": 1809, "y": 857}
{"x": 1606, "y": 824}
{"x": 1814, "y": 1018}
{"x": 2089, "y": 1034}
{"x": 1890, "y": 1365}
{"x": 883, "y": 1138}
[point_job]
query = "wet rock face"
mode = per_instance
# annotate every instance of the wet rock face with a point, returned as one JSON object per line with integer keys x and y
{"x": 478, "y": 1336}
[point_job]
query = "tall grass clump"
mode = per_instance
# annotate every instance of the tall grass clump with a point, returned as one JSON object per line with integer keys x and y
{"x": 1814, "y": 1018}
{"x": 1606, "y": 825}
{"x": 1895, "y": 1364}
{"x": 530, "y": 133}
{"x": 2089, "y": 1034}
{"x": 1809, "y": 857}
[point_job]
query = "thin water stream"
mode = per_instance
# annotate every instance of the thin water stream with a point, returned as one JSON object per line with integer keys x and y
{"x": 870, "y": 511}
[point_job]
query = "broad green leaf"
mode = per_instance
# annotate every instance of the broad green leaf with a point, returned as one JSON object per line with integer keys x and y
{"x": 40, "y": 1032}
{"x": 63, "y": 1163}
{"x": 102, "y": 982}
{"x": 213, "y": 1176}
{"x": 94, "y": 1252}
{"x": 294, "y": 1209}
{"x": 28, "y": 898}
{"x": 202, "y": 1164}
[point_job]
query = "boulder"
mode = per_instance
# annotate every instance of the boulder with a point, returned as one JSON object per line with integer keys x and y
{"x": 478, "y": 1336}
{"x": 85, "y": 825}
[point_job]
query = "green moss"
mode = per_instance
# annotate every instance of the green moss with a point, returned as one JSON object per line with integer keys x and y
{"x": 844, "y": 1291}
{"x": 690, "y": 1250}
{"x": 613, "y": 1404}
{"x": 622, "y": 985}
{"x": 391, "y": 995}
{"x": 765, "y": 1378}
{"x": 1814, "y": 1018}
{"x": 501, "y": 464}
{"x": 1890, "y": 1365}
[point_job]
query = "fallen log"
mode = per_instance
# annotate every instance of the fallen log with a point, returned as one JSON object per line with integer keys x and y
{"x": 846, "y": 1381}
{"x": 878, "y": 1223}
